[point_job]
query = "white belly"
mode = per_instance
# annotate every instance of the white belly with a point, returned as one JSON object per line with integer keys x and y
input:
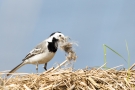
{"x": 40, "y": 58}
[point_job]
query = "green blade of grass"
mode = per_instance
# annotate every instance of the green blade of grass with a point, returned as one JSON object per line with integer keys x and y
{"x": 115, "y": 52}
{"x": 128, "y": 54}
{"x": 128, "y": 76}
{"x": 104, "y": 55}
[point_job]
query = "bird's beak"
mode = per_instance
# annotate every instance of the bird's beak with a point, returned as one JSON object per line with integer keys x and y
{"x": 62, "y": 39}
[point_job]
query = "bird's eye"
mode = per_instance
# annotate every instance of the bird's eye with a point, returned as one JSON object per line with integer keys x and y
{"x": 59, "y": 35}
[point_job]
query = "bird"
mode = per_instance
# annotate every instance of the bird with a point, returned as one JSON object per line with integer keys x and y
{"x": 42, "y": 53}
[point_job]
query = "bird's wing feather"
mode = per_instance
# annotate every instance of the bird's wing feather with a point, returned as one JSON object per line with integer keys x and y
{"x": 40, "y": 48}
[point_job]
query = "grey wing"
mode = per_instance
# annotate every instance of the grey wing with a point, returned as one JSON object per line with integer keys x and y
{"x": 40, "y": 48}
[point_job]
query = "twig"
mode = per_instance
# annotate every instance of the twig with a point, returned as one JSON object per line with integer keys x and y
{"x": 101, "y": 66}
{"x": 132, "y": 67}
{"x": 49, "y": 70}
{"x": 59, "y": 65}
{"x": 26, "y": 87}
{"x": 93, "y": 82}
{"x": 114, "y": 67}
{"x": 72, "y": 87}
{"x": 127, "y": 82}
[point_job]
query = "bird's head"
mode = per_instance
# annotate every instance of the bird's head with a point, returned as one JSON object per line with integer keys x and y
{"x": 58, "y": 36}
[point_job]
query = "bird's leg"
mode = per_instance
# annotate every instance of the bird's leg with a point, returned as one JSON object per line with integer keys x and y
{"x": 37, "y": 68}
{"x": 45, "y": 66}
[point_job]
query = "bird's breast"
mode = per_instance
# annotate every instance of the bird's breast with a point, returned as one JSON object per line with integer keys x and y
{"x": 40, "y": 58}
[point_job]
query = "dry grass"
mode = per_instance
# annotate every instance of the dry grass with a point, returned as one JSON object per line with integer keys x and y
{"x": 69, "y": 79}
{"x": 67, "y": 45}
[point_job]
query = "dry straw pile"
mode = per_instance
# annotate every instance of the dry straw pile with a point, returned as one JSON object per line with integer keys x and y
{"x": 68, "y": 79}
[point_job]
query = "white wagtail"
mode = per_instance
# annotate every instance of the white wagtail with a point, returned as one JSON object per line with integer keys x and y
{"x": 42, "y": 53}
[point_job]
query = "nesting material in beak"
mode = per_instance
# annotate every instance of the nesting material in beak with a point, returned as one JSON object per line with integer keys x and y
{"x": 67, "y": 47}
{"x": 62, "y": 39}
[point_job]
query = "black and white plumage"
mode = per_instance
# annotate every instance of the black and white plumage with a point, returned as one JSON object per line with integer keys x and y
{"x": 42, "y": 53}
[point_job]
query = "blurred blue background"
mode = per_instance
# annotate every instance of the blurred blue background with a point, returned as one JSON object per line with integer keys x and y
{"x": 91, "y": 23}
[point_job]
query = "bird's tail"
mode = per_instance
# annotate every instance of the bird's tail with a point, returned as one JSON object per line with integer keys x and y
{"x": 16, "y": 68}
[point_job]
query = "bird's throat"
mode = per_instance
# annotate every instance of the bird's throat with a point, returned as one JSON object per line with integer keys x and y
{"x": 53, "y": 46}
